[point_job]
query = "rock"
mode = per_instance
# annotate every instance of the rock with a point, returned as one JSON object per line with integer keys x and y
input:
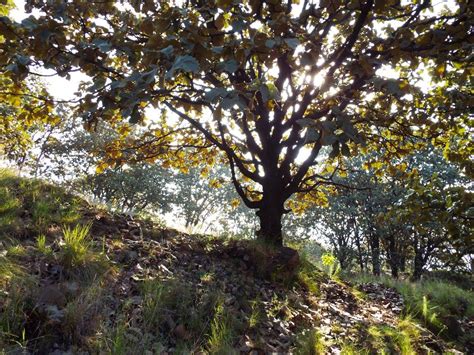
{"x": 181, "y": 332}
{"x": 54, "y": 314}
{"x": 136, "y": 300}
{"x": 71, "y": 288}
{"x": 454, "y": 329}
{"x": 131, "y": 256}
{"x": 288, "y": 257}
{"x": 51, "y": 295}
{"x": 229, "y": 300}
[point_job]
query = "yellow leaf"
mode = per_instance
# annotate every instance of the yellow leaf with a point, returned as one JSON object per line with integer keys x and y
{"x": 101, "y": 167}
{"x": 235, "y": 203}
{"x": 441, "y": 69}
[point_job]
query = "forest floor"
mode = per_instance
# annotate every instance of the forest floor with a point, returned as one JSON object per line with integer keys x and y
{"x": 117, "y": 285}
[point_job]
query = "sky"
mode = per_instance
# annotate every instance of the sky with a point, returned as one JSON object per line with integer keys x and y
{"x": 60, "y": 88}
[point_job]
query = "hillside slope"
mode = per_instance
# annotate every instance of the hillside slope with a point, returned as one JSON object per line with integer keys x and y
{"x": 77, "y": 279}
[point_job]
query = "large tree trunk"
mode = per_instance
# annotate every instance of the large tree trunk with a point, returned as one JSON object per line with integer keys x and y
{"x": 271, "y": 210}
{"x": 270, "y": 231}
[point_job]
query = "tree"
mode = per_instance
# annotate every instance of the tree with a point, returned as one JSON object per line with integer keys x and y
{"x": 259, "y": 81}
{"x": 415, "y": 211}
{"x": 440, "y": 221}
{"x": 205, "y": 196}
{"x": 131, "y": 189}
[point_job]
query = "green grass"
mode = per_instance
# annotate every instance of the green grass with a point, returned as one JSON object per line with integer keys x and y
{"x": 41, "y": 245}
{"x": 31, "y": 207}
{"x": 432, "y": 301}
{"x": 222, "y": 334}
{"x": 399, "y": 340}
{"x": 201, "y": 314}
{"x": 76, "y": 246}
{"x": 16, "y": 288}
{"x": 349, "y": 349}
{"x": 308, "y": 275}
{"x": 11, "y": 204}
{"x": 45, "y": 205}
{"x": 310, "y": 343}
{"x": 255, "y": 314}
{"x": 82, "y": 314}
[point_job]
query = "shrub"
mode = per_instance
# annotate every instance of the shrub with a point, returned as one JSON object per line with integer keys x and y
{"x": 330, "y": 264}
{"x": 41, "y": 245}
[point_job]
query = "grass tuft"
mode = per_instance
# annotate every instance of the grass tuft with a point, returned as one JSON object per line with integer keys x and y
{"x": 311, "y": 343}
{"x": 41, "y": 245}
{"x": 221, "y": 335}
{"x": 76, "y": 245}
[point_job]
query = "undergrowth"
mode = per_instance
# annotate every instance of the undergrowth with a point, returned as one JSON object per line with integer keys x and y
{"x": 435, "y": 303}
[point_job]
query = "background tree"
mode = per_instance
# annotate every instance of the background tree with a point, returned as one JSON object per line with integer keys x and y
{"x": 415, "y": 213}
{"x": 259, "y": 81}
{"x": 131, "y": 189}
{"x": 206, "y": 197}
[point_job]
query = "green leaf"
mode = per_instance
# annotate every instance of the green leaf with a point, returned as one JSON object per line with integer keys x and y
{"x": 328, "y": 139}
{"x": 29, "y": 23}
{"x": 329, "y": 126}
{"x": 103, "y": 45}
{"x": 218, "y": 49}
{"x": 307, "y": 59}
{"x": 186, "y": 63}
{"x": 292, "y": 42}
{"x": 168, "y": 51}
{"x": 229, "y": 102}
{"x": 213, "y": 94}
{"x": 231, "y": 66}
{"x": 270, "y": 43}
{"x": 135, "y": 117}
{"x": 273, "y": 92}
{"x": 306, "y": 122}
{"x": 312, "y": 136}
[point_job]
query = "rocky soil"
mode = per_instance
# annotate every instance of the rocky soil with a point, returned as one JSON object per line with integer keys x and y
{"x": 336, "y": 310}
{"x": 273, "y": 310}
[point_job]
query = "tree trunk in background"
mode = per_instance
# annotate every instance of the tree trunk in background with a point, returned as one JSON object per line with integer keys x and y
{"x": 375, "y": 249}
{"x": 393, "y": 256}
{"x": 403, "y": 259}
{"x": 417, "y": 266}
{"x": 418, "y": 260}
{"x": 360, "y": 257}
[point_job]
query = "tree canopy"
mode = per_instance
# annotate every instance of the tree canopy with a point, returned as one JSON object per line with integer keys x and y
{"x": 267, "y": 86}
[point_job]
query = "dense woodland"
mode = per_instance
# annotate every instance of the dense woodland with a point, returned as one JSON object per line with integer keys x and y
{"x": 296, "y": 164}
